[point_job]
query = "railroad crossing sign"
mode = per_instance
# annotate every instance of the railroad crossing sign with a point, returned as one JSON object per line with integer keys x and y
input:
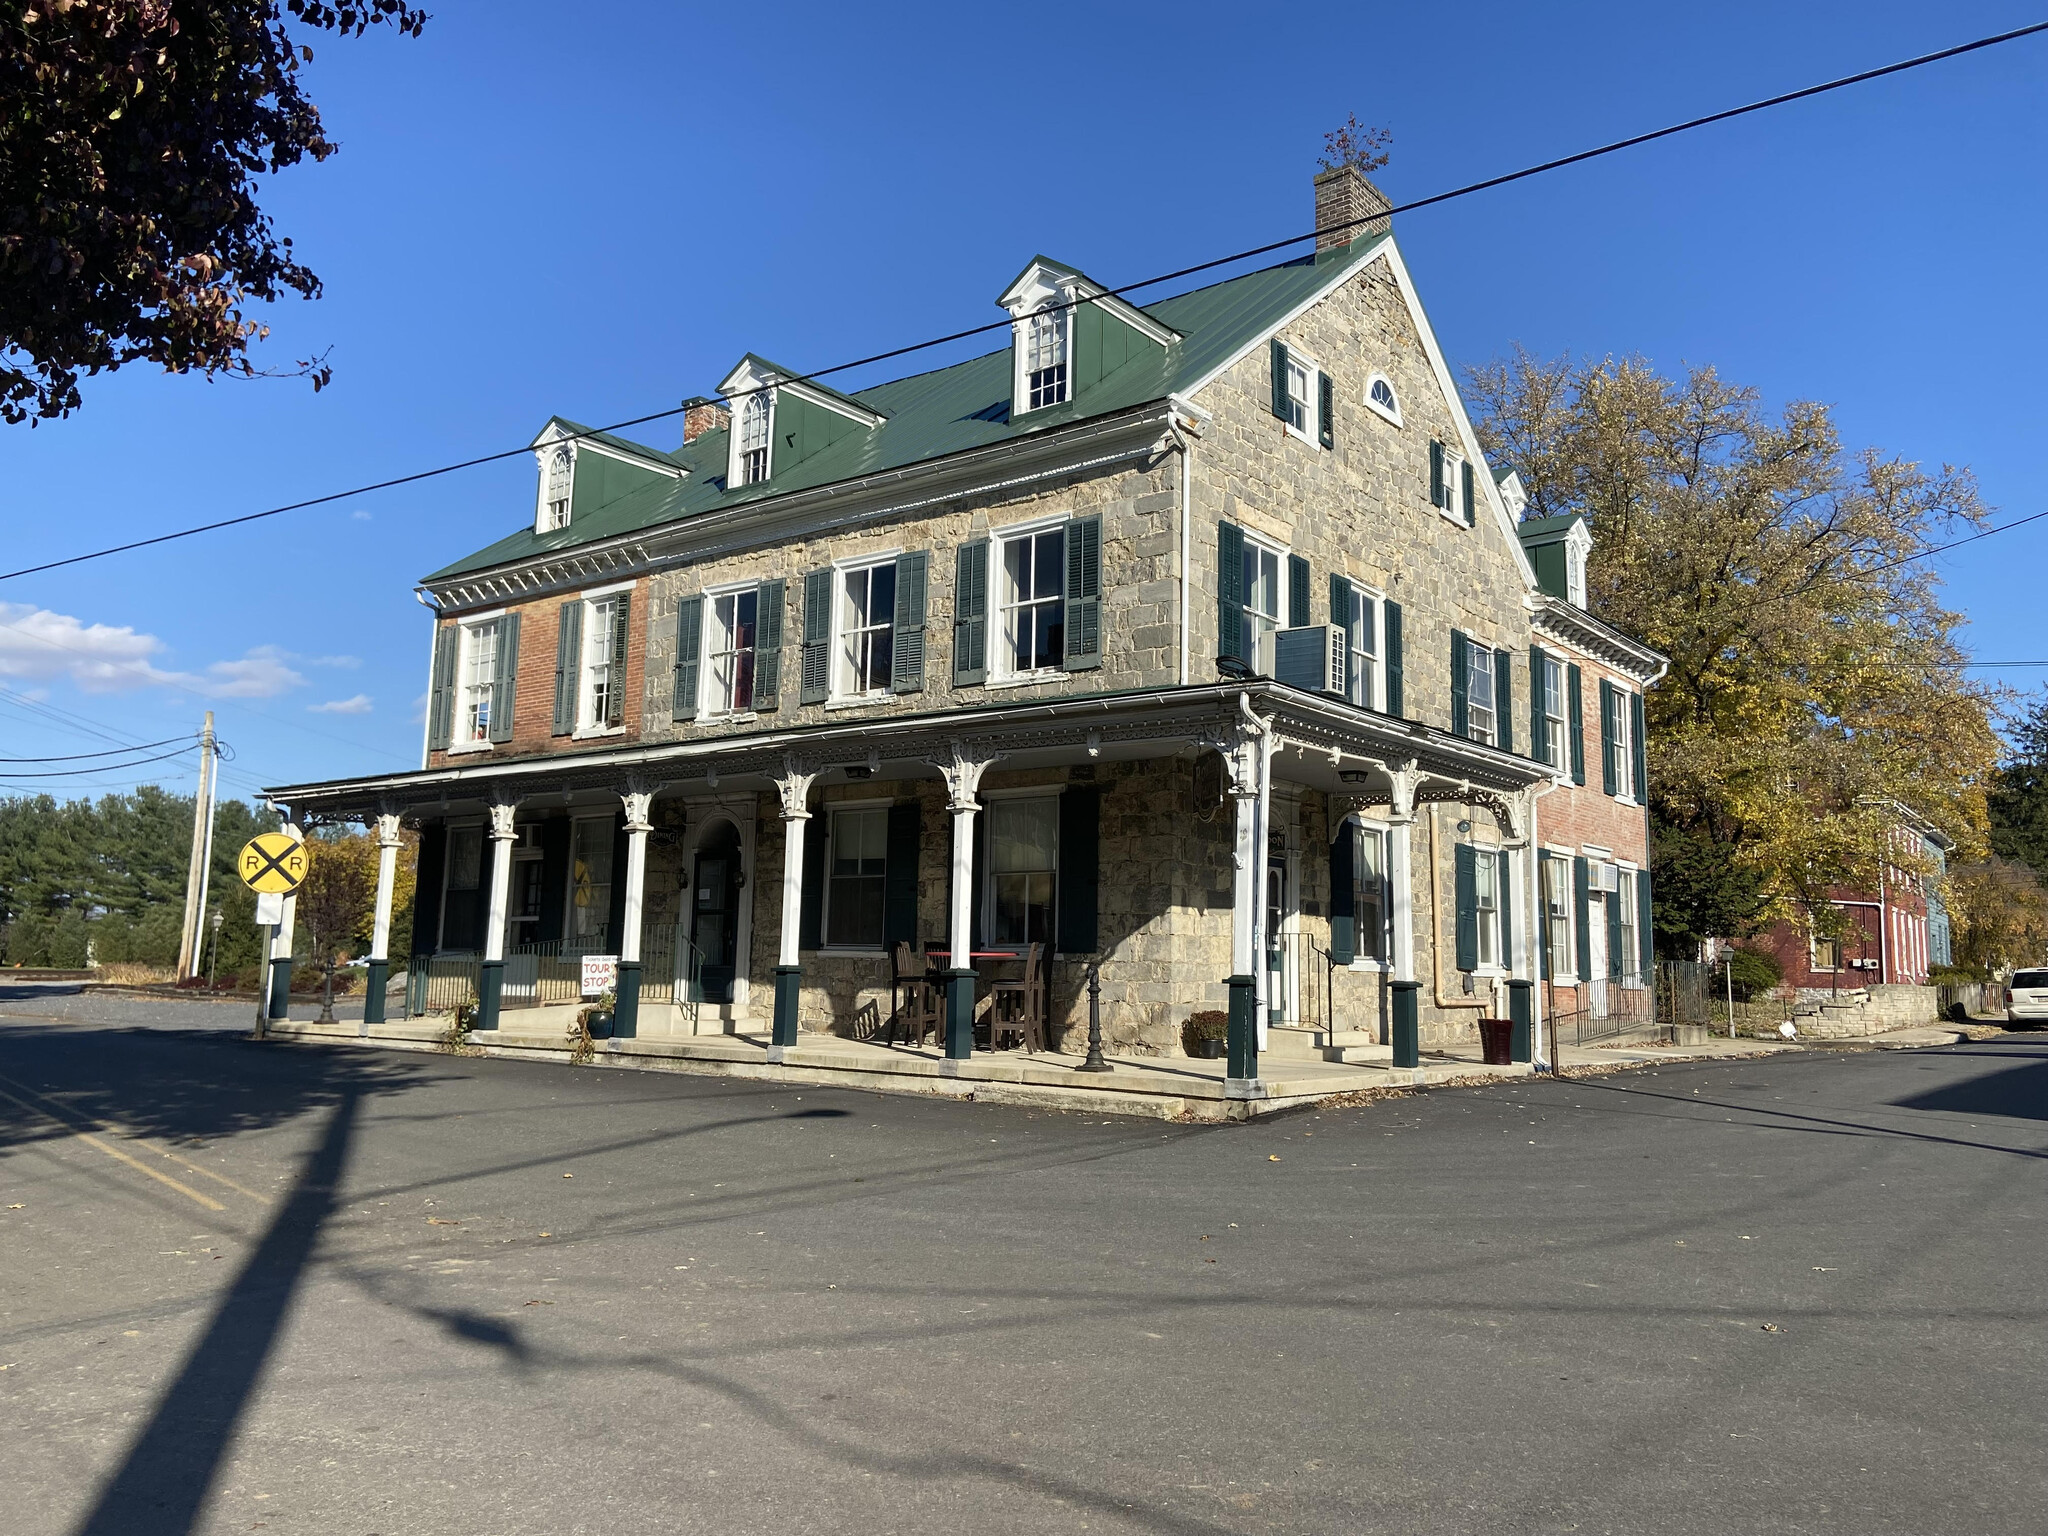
{"x": 272, "y": 864}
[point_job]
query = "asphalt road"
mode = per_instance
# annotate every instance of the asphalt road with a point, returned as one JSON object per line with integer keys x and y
{"x": 327, "y": 1289}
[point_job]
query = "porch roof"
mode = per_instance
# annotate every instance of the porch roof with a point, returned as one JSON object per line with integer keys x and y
{"x": 1323, "y": 743}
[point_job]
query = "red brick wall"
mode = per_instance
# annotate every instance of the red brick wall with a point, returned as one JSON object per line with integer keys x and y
{"x": 533, "y": 704}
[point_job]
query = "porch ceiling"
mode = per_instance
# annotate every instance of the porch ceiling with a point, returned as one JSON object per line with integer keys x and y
{"x": 1323, "y": 744}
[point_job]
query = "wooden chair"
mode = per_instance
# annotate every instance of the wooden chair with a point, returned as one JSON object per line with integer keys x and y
{"x": 1018, "y": 1007}
{"x": 918, "y": 1000}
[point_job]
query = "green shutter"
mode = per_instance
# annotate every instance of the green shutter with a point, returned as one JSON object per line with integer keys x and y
{"x": 906, "y": 640}
{"x": 1437, "y": 498}
{"x": 1080, "y": 861}
{"x": 1465, "y": 491}
{"x": 1279, "y": 356}
{"x": 1344, "y": 894}
{"x": 615, "y": 705}
{"x": 816, "y": 682}
{"x": 1616, "y": 962}
{"x": 1582, "y": 897}
{"x": 900, "y": 874}
{"x": 810, "y": 925}
{"x": 1609, "y": 755}
{"x": 1467, "y": 868}
{"x": 1395, "y": 686}
{"x": 1646, "y": 938}
{"x": 768, "y": 605}
{"x": 970, "y": 614}
{"x": 1326, "y": 411}
{"x": 1642, "y": 760}
{"x": 568, "y": 664}
{"x": 1539, "y": 727}
{"x": 1461, "y": 713}
{"x": 1504, "y": 700}
{"x": 505, "y": 682}
{"x": 1340, "y": 615}
{"x": 1230, "y": 597}
{"x": 689, "y": 650}
{"x": 1084, "y": 595}
{"x": 1298, "y": 616}
{"x": 1575, "y": 708}
{"x": 441, "y": 705}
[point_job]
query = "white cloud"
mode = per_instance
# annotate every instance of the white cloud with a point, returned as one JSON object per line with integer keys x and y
{"x": 359, "y": 705}
{"x": 38, "y": 645}
{"x": 350, "y": 662}
{"x": 361, "y": 517}
{"x": 419, "y": 709}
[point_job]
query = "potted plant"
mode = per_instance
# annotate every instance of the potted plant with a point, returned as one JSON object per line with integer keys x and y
{"x": 597, "y": 1016}
{"x": 1206, "y": 1033}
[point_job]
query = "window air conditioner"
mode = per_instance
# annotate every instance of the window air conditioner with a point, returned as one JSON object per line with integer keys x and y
{"x": 1311, "y": 658}
{"x": 1603, "y": 877}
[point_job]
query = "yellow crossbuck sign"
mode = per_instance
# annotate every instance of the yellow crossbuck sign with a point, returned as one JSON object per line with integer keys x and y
{"x": 272, "y": 863}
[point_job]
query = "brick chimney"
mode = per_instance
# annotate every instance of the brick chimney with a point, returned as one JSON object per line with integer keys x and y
{"x": 1343, "y": 195}
{"x": 700, "y": 416}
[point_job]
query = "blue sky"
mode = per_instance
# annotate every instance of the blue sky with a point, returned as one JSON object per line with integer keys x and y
{"x": 595, "y": 210}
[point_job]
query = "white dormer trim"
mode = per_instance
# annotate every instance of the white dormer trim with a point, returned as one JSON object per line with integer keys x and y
{"x": 1047, "y": 283}
{"x": 1512, "y": 494}
{"x": 1578, "y": 544}
{"x": 555, "y": 436}
{"x": 754, "y": 377}
{"x": 555, "y": 482}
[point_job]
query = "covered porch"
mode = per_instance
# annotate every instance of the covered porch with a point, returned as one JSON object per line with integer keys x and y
{"x": 1243, "y": 850}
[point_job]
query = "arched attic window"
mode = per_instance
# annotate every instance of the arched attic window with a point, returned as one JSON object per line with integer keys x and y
{"x": 1380, "y": 397}
{"x": 560, "y": 478}
{"x": 754, "y": 428}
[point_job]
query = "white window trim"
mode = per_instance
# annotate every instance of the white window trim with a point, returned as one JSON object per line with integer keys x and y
{"x": 589, "y": 732}
{"x": 466, "y": 627}
{"x": 1003, "y": 677}
{"x": 985, "y": 898}
{"x": 1625, "y": 726}
{"x": 1503, "y": 885}
{"x": 756, "y": 388}
{"x": 1256, "y": 540}
{"x": 543, "y": 455}
{"x": 1386, "y": 833}
{"x": 1020, "y": 351}
{"x": 1558, "y": 728}
{"x": 705, "y": 619}
{"x": 837, "y": 697}
{"x": 1312, "y": 406}
{"x": 832, "y": 808}
{"x": 1378, "y": 599}
{"x": 1375, "y": 407}
{"x": 1491, "y": 706}
{"x": 1453, "y": 509}
{"x": 1552, "y": 854}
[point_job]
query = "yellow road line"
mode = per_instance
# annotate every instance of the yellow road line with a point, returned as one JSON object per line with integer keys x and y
{"x": 117, "y": 1154}
{"x": 73, "y": 1118}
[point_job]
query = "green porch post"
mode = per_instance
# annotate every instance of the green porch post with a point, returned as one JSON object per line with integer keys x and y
{"x": 1407, "y": 1028}
{"x": 1244, "y": 1028}
{"x": 1521, "y": 1046}
{"x": 376, "y": 981}
{"x": 490, "y": 986}
{"x": 960, "y": 982}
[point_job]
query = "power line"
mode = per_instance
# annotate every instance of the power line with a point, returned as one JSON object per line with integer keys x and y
{"x": 79, "y": 725}
{"x": 73, "y": 757}
{"x": 72, "y": 773}
{"x": 1165, "y": 277}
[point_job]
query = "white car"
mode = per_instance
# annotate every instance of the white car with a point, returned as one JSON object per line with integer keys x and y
{"x": 2029, "y": 993}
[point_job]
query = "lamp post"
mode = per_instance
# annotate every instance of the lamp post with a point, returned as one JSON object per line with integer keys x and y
{"x": 213, "y": 954}
{"x": 1094, "y": 1063}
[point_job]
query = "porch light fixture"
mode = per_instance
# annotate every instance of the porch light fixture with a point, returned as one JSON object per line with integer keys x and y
{"x": 1355, "y": 775}
{"x": 859, "y": 771}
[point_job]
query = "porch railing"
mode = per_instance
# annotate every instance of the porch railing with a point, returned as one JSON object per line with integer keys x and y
{"x": 1608, "y": 1008}
{"x": 1301, "y": 967}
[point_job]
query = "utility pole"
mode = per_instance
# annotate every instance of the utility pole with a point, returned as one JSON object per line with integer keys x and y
{"x": 192, "y": 939}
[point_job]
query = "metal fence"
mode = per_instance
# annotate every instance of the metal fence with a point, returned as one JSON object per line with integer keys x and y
{"x": 1301, "y": 968}
{"x": 1609, "y": 1009}
{"x": 547, "y": 974}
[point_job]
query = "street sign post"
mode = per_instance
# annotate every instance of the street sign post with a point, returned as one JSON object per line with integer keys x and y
{"x": 273, "y": 865}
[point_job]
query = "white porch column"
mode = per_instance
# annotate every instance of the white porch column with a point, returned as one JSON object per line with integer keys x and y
{"x": 388, "y": 842}
{"x": 1404, "y": 1023}
{"x": 793, "y": 786}
{"x": 491, "y": 977}
{"x": 638, "y": 799}
{"x": 962, "y": 772}
{"x": 1247, "y": 764}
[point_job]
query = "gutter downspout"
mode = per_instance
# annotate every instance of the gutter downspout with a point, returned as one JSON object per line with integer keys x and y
{"x": 1194, "y": 415}
{"x": 433, "y": 639}
{"x": 1538, "y": 930}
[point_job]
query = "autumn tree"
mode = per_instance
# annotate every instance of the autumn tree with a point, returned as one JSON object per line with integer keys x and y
{"x": 2019, "y": 798}
{"x": 335, "y": 901}
{"x": 132, "y": 134}
{"x": 1816, "y": 681}
{"x": 1999, "y": 916}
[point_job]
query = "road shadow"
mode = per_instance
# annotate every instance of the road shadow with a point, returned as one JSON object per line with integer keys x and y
{"x": 162, "y": 1484}
{"x": 179, "y": 1087}
{"x": 2019, "y": 1092}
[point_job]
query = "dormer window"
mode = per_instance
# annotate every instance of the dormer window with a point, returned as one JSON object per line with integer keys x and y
{"x": 1045, "y": 360}
{"x": 561, "y": 477}
{"x": 1575, "y": 551}
{"x": 756, "y": 414}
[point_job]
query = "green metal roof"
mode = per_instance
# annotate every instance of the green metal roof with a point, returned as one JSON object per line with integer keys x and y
{"x": 1542, "y": 530}
{"x": 951, "y": 410}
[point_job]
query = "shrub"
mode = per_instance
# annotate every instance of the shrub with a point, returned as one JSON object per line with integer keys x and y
{"x": 1207, "y": 1024}
{"x": 1957, "y": 975}
{"x": 1754, "y": 973}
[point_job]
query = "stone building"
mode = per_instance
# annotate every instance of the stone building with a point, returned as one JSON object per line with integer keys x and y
{"x": 1194, "y": 643}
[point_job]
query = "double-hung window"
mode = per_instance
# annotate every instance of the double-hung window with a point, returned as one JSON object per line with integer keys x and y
{"x": 1370, "y": 909}
{"x": 561, "y": 475}
{"x": 1261, "y": 590}
{"x": 590, "y": 885}
{"x": 1023, "y": 845}
{"x": 1361, "y": 651}
{"x": 754, "y": 429}
{"x": 1300, "y": 398}
{"x": 479, "y": 680}
{"x": 604, "y": 672}
{"x": 1557, "y": 744}
{"x": 1032, "y": 602}
{"x": 1480, "y": 723}
{"x": 854, "y": 887}
{"x": 1489, "y": 887}
{"x": 730, "y": 642}
{"x": 1045, "y": 358}
{"x": 1629, "y": 963}
{"x": 1557, "y": 917}
{"x": 867, "y": 618}
{"x": 1625, "y": 785}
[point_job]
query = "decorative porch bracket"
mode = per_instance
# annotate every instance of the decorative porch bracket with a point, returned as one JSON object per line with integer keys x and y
{"x": 638, "y": 800}
{"x": 962, "y": 772}
{"x": 793, "y": 787}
